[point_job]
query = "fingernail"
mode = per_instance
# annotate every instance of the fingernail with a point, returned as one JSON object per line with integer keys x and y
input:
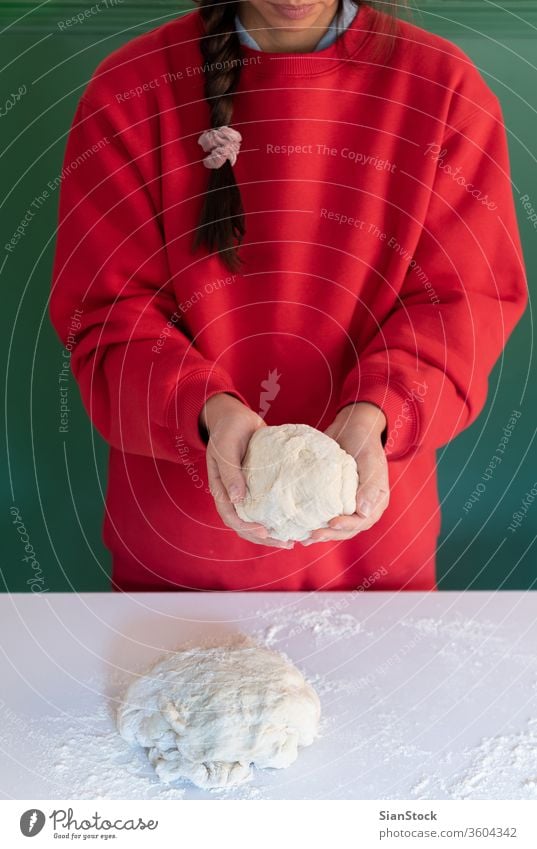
{"x": 365, "y": 508}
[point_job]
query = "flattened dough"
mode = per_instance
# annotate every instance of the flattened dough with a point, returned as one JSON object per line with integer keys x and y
{"x": 297, "y": 480}
{"x": 208, "y": 715}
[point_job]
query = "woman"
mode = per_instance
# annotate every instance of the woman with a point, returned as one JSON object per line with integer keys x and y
{"x": 283, "y": 215}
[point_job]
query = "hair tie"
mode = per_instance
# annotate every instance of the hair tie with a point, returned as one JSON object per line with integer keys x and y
{"x": 223, "y": 143}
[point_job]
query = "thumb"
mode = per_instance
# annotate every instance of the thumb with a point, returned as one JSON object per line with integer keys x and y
{"x": 373, "y": 485}
{"x": 229, "y": 461}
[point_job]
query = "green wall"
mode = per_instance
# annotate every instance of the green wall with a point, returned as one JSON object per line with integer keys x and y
{"x": 57, "y": 481}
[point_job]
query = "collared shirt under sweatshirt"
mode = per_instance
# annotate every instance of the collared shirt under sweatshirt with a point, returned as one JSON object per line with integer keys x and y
{"x": 382, "y": 263}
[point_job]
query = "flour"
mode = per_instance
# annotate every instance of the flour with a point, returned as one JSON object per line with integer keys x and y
{"x": 383, "y": 731}
{"x": 502, "y": 767}
{"x": 83, "y": 756}
{"x": 420, "y": 787}
{"x": 325, "y": 624}
{"x": 459, "y": 638}
{"x": 469, "y": 631}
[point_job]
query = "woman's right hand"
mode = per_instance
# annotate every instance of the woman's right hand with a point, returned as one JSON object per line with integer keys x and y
{"x": 230, "y": 425}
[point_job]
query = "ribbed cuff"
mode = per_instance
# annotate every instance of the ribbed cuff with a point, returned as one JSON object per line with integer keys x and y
{"x": 398, "y": 404}
{"x": 186, "y": 404}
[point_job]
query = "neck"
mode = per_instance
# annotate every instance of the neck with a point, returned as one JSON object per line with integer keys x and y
{"x": 284, "y": 38}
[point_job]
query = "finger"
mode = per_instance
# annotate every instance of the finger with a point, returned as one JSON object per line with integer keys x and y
{"x": 333, "y": 431}
{"x": 357, "y": 523}
{"x": 269, "y": 541}
{"x": 374, "y": 488}
{"x": 371, "y": 500}
{"x": 345, "y": 523}
{"x": 345, "y": 527}
{"x": 229, "y": 517}
{"x": 228, "y": 458}
{"x": 225, "y": 508}
{"x": 329, "y": 534}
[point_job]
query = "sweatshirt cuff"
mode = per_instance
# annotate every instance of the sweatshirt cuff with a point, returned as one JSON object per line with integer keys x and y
{"x": 399, "y": 405}
{"x": 187, "y": 401}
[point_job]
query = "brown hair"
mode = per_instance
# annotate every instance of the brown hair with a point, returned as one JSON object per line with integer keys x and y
{"x": 222, "y": 215}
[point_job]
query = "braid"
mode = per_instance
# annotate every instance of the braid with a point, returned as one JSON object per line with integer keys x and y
{"x": 222, "y": 214}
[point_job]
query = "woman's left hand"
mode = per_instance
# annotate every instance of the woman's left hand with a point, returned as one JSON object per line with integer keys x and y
{"x": 358, "y": 429}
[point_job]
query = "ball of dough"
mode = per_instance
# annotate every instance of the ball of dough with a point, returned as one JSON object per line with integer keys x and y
{"x": 297, "y": 480}
{"x": 210, "y": 714}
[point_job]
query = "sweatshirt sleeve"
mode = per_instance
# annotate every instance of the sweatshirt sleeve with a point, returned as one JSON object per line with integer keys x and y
{"x": 141, "y": 380}
{"x": 428, "y": 365}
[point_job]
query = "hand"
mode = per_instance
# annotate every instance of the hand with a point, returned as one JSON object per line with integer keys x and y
{"x": 358, "y": 429}
{"x": 230, "y": 425}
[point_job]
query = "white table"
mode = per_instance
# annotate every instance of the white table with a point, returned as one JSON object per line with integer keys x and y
{"x": 423, "y": 695}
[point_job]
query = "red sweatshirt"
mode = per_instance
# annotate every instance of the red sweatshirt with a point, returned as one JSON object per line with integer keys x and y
{"x": 382, "y": 264}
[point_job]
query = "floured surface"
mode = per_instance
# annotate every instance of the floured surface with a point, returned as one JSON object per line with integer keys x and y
{"x": 80, "y": 756}
{"x": 423, "y": 696}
